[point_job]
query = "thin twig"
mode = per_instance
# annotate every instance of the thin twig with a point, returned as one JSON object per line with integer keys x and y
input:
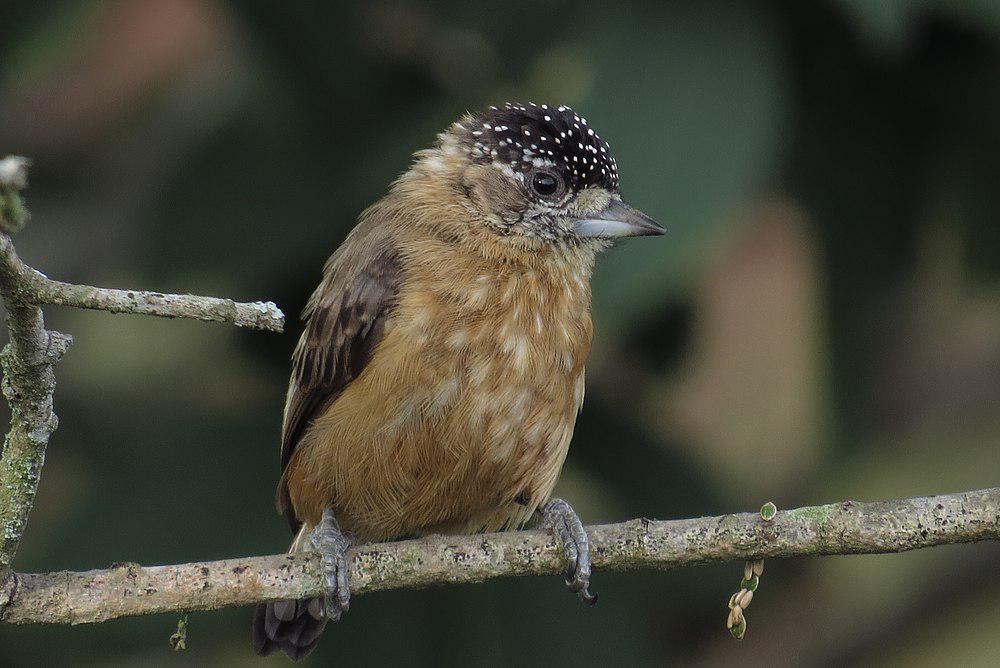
{"x": 257, "y": 315}
{"x": 840, "y": 528}
{"x": 34, "y": 287}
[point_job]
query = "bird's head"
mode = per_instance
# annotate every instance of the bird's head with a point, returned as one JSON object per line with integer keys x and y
{"x": 533, "y": 176}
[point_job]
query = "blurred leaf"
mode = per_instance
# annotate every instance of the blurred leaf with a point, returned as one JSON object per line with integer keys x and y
{"x": 888, "y": 25}
{"x": 696, "y": 130}
{"x": 53, "y": 30}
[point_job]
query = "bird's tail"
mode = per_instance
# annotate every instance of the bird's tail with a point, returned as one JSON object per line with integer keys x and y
{"x": 292, "y": 627}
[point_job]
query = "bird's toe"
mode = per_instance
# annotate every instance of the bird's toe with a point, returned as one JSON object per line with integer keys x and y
{"x": 562, "y": 520}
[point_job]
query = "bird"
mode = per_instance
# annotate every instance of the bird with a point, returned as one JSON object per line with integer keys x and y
{"x": 440, "y": 371}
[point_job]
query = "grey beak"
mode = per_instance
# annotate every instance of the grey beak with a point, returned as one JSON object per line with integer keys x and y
{"x": 617, "y": 220}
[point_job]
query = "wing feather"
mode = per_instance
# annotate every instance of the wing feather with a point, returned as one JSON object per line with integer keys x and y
{"x": 346, "y": 317}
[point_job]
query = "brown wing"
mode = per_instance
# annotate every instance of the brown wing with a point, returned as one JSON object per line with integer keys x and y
{"x": 345, "y": 319}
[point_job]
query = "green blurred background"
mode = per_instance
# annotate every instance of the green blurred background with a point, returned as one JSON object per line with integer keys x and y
{"x": 821, "y": 321}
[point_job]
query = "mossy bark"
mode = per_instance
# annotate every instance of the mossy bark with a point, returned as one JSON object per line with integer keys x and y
{"x": 28, "y": 384}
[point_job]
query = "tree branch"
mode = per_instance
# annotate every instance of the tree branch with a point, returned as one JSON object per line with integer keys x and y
{"x": 28, "y": 379}
{"x": 32, "y": 286}
{"x": 840, "y": 528}
{"x": 256, "y": 315}
{"x": 28, "y": 361}
{"x": 28, "y": 385}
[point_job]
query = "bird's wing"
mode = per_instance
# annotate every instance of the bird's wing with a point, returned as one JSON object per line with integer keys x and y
{"x": 346, "y": 318}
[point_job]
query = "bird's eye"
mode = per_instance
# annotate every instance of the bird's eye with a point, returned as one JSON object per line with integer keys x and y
{"x": 546, "y": 184}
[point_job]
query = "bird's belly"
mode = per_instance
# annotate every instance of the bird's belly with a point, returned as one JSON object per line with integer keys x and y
{"x": 463, "y": 416}
{"x": 467, "y": 445}
{"x": 492, "y": 457}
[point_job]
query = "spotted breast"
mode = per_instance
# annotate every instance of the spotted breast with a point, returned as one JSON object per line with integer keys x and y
{"x": 463, "y": 418}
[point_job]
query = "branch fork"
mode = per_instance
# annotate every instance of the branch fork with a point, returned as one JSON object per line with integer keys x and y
{"x": 29, "y": 359}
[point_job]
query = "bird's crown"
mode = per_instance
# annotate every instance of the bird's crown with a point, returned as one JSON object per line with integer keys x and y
{"x": 529, "y": 137}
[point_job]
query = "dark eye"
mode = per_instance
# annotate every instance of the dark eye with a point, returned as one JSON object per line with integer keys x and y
{"x": 546, "y": 184}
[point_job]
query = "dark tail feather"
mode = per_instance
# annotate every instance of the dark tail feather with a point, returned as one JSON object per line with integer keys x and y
{"x": 292, "y": 627}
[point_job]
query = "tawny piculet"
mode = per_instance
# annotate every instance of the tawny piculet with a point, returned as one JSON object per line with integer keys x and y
{"x": 438, "y": 379}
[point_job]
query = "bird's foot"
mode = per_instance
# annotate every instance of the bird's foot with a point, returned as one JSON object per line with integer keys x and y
{"x": 332, "y": 544}
{"x": 559, "y": 517}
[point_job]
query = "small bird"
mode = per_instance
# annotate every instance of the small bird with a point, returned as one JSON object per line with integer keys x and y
{"x": 441, "y": 369}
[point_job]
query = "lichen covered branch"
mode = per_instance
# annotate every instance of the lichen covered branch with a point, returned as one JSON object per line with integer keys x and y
{"x": 256, "y": 315}
{"x": 28, "y": 383}
{"x": 29, "y": 358}
{"x": 13, "y": 179}
{"x": 841, "y": 528}
{"x": 31, "y": 286}
{"x": 28, "y": 380}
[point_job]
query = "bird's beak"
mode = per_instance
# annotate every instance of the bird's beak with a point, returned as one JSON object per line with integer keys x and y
{"x": 617, "y": 220}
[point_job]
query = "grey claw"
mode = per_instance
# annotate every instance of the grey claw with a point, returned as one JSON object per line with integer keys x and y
{"x": 332, "y": 544}
{"x": 560, "y": 517}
